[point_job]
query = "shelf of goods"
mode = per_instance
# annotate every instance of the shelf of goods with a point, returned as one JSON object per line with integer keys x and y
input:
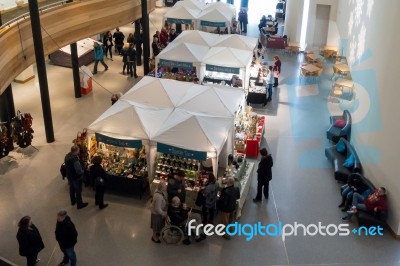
{"x": 180, "y": 74}
{"x": 169, "y": 164}
{"x": 249, "y": 130}
{"x": 223, "y": 79}
{"x": 257, "y": 93}
{"x": 126, "y": 167}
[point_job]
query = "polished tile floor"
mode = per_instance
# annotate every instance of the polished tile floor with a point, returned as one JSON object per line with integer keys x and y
{"x": 302, "y": 189}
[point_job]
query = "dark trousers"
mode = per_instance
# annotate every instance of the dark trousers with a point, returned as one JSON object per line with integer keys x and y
{"x": 125, "y": 66}
{"x": 96, "y": 62}
{"x": 118, "y": 48}
{"x": 31, "y": 260}
{"x": 275, "y": 82}
{"x": 138, "y": 57}
{"x": 260, "y": 185}
{"x": 99, "y": 196}
{"x": 208, "y": 215}
{"x": 243, "y": 26}
{"x": 75, "y": 191}
{"x": 132, "y": 68}
{"x": 109, "y": 50}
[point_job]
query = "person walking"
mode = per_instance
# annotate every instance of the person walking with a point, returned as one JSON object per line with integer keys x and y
{"x": 138, "y": 40}
{"x": 99, "y": 177}
{"x": 67, "y": 237}
{"x": 277, "y": 70}
{"x": 243, "y": 20}
{"x": 119, "y": 38}
{"x": 210, "y": 195}
{"x": 264, "y": 174}
{"x": 98, "y": 57}
{"x": 108, "y": 43}
{"x": 132, "y": 60}
{"x": 75, "y": 177}
{"x": 227, "y": 203}
{"x": 270, "y": 83}
{"x": 29, "y": 240}
{"x": 158, "y": 211}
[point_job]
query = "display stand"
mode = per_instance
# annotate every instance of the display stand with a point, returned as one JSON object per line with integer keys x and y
{"x": 249, "y": 133}
{"x": 244, "y": 188}
{"x": 124, "y": 161}
{"x": 257, "y": 93}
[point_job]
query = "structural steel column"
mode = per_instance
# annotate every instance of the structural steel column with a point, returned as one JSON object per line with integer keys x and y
{"x": 41, "y": 67}
{"x": 146, "y": 38}
{"x": 75, "y": 70}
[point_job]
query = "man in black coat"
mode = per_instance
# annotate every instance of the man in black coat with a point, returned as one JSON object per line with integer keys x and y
{"x": 264, "y": 174}
{"x": 132, "y": 60}
{"x": 119, "y": 38}
{"x": 227, "y": 203}
{"x": 75, "y": 177}
{"x": 66, "y": 236}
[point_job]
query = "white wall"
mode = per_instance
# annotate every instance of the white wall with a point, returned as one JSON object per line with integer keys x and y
{"x": 293, "y": 20}
{"x": 371, "y": 27}
{"x": 312, "y": 14}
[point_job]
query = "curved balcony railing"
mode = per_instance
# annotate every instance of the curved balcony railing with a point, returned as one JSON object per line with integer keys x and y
{"x": 61, "y": 25}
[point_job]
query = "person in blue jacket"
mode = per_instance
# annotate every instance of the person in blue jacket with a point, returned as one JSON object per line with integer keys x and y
{"x": 98, "y": 57}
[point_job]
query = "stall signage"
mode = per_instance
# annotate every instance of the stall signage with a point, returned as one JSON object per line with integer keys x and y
{"x": 231, "y": 70}
{"x": 212, "y": 24}
{"x": 179, "y": 21}
{"x": 169, "y": 63}
{"x": 127, "y": 143}
{"x": 197, "y": 155}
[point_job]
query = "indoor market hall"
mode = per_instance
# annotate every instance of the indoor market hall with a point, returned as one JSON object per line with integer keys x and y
{"x": 205, "y": 104}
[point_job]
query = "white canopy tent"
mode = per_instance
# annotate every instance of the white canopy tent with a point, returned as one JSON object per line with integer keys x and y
{"x": 191, "y": 55}
{"x": 231, "y": 58}
{"x": 197, "y": 37}
{"x": 215, "y": 18}
{"x": 236, "y": 41}
{"x": 193, "y": 4}
{"x": 184, "y": 118}
{"x": 182, "y": 14}
{"x": 221, "y": 6}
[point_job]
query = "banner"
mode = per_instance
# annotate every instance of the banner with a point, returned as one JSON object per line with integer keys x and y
{"x": 127, "y": 143}
{"x": 212, "y": 24}
{"x": 168, "y": 63}
{"x": 231, "y": 70}
{"x": 179, "y": 21}
{"x": 197, "y": 155}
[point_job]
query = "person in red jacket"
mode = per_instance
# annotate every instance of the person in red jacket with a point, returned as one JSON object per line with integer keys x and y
{"x": 375, "y": 203}
{"x": 163, "y": 41}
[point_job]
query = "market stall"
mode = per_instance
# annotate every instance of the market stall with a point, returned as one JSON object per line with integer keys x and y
{"x": 257, "y": 93}
{"x": 215, "y": 20}
{"x": 175, "y": 118}
{"x": 249, "y": 131}
{"x": 181, "y": 61}
{"x": 227, "y": 66}
{"x": 181, "y": 14}
{"x": 62, "y": 57}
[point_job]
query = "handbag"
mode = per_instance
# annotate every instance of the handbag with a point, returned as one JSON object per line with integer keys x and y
{"x": 63, "y": 171}
{"x": 200, "y": 199}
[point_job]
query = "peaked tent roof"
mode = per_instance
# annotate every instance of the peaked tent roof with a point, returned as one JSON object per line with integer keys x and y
{"x": 197, "y": 37}
{"x": 215, "y": 15}
{"x": 184, "y": 52}
{"x": 182, "y": 127}
{"x": 110, "y": 121}
{"x": 193, "y": 4}
{"x": 236, "y": 41}
{"x": 223, "y": 56}
{"x": 182, "y": 12}
{"x": 221, "y": 6}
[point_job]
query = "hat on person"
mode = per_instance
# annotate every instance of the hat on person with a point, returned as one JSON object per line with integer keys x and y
{"x": 263, "y": 152}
